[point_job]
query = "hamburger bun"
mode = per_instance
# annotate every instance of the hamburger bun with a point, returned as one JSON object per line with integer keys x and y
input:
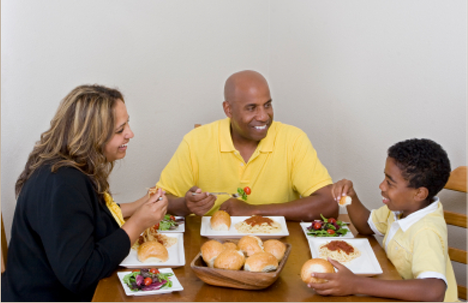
{"x": 275, "y": 247}
{"x": 315, "y": 265}
{"x": 230, "y": 259}
{"x": 229, "y": 245}
{"x": 220, "y": 220}
{"x": 210, "y": 250}
{"x": 261, "y": 262}
{"x": 345, "y": 200}
{"x": 250, "y": 245}
{"x": 152, "y": 252}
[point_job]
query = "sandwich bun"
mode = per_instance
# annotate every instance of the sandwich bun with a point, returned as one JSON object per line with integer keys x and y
{"x": 230, "y": 259}
{"x": 261, "y": 262}
{"x": 345, "y": 200}
{"x": 275, "y": 247}
{"x": 315, "y": 265}
{"x": 250, "y": 244}
{"x": 210, "y": 250}
{"x": 220, "y": 220}
{"x": 230, "y": 245}
{"x": 152, "y": 252}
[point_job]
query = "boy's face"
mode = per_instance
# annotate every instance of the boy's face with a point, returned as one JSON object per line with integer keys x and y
{"x": 395, "y": 191}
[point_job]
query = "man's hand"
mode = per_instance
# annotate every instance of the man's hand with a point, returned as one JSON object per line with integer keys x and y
{"x": 236, "y": 207}
{"x": 200, "y": 203}
{"x": 339, "y": 284}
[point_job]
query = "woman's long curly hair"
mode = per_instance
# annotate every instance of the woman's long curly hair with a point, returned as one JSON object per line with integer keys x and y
{"x": 83, "y": 124}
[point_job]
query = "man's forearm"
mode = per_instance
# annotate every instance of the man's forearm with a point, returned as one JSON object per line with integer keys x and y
{"x": 304, "y": 209}
{"x": 177, "y": 206}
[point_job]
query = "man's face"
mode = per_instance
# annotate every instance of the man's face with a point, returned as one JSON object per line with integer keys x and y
{"x": 251, "y": 113}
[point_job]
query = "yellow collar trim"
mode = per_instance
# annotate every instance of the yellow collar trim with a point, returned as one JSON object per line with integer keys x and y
{"x": 114, "y": 209}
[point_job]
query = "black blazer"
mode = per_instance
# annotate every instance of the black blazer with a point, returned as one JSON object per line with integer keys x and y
{"x": 63, "y": 239}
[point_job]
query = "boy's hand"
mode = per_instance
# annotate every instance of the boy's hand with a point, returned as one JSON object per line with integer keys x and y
{"x": 339, "y": 284}
{"x": 343, "y": 188}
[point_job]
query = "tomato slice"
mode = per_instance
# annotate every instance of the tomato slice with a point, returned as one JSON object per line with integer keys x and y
{"x": 331, "y": 231}
{"x": 247, "y": 190}
{"x": 317, "y": 225}
{"x": 136, "y": 270}
{"x": 148, "y": 281}
{"x": 154, "y": 270}
{"x": 172, "y": 218}
{"x": 332, "y": 220}
{"x": 156, "y": 226}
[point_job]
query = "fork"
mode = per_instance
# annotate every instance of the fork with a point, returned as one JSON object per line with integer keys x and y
{"x": 236, "y": 195}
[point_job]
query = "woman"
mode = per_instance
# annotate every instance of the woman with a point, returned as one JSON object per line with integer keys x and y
{"x": 67, "y": 232}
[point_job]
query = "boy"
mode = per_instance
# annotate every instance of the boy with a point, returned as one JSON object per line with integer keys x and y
{"x": 412, "y": 221}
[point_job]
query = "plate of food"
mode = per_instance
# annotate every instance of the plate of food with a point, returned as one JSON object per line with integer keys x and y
{"x": 268, "y": 227}
{"x": 148, "y": 281}
{"x": 326, "y": 228}
{"x": 156, "y": 250}
{"x": 171, "y": 224}
{"x": 356, "y": 254}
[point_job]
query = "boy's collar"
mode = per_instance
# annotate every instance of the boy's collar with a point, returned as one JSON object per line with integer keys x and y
{"x": 406, "y": 223}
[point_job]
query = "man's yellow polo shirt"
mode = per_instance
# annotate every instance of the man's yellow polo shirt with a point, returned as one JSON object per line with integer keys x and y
{"x": 284, "y": 166}
{"x": 417, "y": 245}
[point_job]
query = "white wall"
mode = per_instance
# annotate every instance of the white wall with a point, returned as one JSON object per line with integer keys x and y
{"x": 357, "y": 76}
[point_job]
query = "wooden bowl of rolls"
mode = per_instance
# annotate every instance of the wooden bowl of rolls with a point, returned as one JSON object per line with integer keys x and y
{"x": 246, "y": 263}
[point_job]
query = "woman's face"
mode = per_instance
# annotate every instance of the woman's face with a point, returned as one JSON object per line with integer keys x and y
{"x": 116, "y": 148}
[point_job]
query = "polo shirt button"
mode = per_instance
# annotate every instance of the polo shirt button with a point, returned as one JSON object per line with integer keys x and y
{"x": 242, "y": 164}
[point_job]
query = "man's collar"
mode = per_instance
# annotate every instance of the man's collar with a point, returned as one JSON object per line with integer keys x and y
{"x": 407, "y": 222}
{"x": 225, "y": 138}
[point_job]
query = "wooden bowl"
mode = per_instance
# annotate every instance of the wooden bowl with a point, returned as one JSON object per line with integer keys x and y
{"x": 239, "y": 279}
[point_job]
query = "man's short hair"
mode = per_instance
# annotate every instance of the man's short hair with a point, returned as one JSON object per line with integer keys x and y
{"x": 423, "y": 163}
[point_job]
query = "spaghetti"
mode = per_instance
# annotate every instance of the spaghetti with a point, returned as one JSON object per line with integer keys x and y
{"x": 338, "y": 250}
{"x": 258, "y": 225}
{"x": 151, "y": 234}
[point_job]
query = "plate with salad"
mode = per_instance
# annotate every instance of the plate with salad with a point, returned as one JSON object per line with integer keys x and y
{"x": 326, "y": 228}
{"x": 171, "y": 224}
{"x": 149, "y": 281}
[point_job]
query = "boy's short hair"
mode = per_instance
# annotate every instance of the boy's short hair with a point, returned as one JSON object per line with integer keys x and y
{"x": 423, "y": 163}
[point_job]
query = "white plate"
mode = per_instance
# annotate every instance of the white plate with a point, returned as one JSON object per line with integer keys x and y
{"x": 232, "y": 233}
{"x": 365, "y": 264}
{"x": 176, "y": 286}
{"x": 179, "y": 229}
{"x": 176, "y": 256}
{"x": 304, "y": 226}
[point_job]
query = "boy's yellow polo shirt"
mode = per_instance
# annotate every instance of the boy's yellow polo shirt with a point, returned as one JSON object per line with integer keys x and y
{"x": 417, "y": 245}
{"x": 284, "y": 166}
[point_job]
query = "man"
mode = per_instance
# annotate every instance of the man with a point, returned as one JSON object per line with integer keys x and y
{"x": 247, "y": 149}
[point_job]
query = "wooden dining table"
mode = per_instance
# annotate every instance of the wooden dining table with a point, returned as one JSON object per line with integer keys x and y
{"x": 288, "y": 287}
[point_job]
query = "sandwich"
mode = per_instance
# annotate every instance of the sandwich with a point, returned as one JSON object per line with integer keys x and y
{"x": 261, "y": 262}
{"x": 315, "y": 265}
{"x": 152, "y": 252}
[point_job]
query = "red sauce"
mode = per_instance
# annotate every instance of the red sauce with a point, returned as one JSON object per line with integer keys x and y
{"x": 258, "y": 220}
{"x": 340, "y": 245}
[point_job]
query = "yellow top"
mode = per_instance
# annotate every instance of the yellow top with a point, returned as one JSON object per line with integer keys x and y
{"x": 284, "y": 166}
{"x": 114, "y": 209}
{"x": 417, "y": 245}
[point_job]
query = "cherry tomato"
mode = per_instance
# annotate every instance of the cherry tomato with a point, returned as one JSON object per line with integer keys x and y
{"x": 156, "y": 226}
{"x": 317, "y": 225}
{"x": 332, "y": 220}
{"x": 172, "y": 218}
{"x": 331, "y": 231}
{"x": 154, "y": 271}
{"x": 247, "y": 190}
{"x": 136, "y": 270}
{"x": 148, "y": 281}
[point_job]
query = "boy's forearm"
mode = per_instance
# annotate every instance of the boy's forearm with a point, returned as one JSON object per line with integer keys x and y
{"x": 431, "y": 290}
{"x": 359, "y": 214}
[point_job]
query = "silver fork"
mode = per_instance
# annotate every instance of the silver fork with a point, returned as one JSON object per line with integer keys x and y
{"x": 236, "y": 195}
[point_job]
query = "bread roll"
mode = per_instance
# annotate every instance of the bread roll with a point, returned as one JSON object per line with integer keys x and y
{"x": 261, "y": 262}
{"x": 229, "y": 245}
{"x": 275, "y": 247}
{"x": 220, "y": 220}
{"x": 250, "y": 245}
{"x": 152, "y": 252}
{"x": 345, "y": 200}
{"x": 210, "y": 250}
{"x": 230, "y": 259}
{"x": 315, "y": 265}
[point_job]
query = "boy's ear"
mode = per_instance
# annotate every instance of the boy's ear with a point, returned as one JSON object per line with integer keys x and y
{"x": 421, "y": 194}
